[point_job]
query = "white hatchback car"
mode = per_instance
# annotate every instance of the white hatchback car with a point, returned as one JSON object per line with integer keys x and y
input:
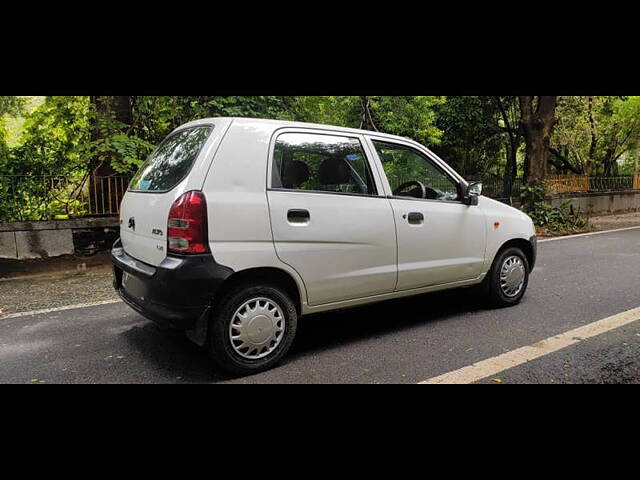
{"x": 234, "y": 228}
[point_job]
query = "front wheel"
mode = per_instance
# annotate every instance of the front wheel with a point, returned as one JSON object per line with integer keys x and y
{"x": 251, "y": 329}
{"x": 509, "y": 277}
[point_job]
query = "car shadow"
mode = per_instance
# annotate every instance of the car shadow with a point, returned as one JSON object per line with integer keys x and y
{"x": 325, "y": 331}
{"x": 176, "y": 359}
{"x": 171, "y": 356}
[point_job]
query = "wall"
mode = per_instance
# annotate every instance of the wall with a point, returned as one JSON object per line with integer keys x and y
{"x": 83, "y": 236}
{"x": 601, "y": 203}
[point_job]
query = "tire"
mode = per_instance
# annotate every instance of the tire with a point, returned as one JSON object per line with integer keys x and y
{"x": 508, "y": 296}
{"x": 243, "y": 361}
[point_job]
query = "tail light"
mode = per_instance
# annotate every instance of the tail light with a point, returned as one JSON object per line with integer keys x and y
{"x": 187, "y": 224}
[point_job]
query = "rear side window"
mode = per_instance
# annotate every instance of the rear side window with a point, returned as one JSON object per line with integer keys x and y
{"x": 321, "y": 163}
{"x": 170, "y": 163}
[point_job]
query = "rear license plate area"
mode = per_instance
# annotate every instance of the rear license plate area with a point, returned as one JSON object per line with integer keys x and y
{"x": 133, "y": 286}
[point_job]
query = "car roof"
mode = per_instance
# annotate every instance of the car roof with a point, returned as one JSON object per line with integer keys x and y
{"x": 286, "y": 123}
{"x": 276, "y": 124}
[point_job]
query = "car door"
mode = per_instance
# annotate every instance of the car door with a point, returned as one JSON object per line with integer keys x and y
{"x": 440, "y": 239}
{"x": 331, "y": 221}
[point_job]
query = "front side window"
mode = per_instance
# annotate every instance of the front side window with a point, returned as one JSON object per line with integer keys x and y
{"x": 321, "y": 163}
{"x": 170, "y": 163}
{"x": 412, "y": 174}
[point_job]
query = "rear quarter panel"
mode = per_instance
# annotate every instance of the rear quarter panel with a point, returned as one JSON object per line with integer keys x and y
{"x": 240, "y": 235}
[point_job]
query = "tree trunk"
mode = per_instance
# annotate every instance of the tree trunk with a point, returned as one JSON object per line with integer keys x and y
{"x": 116, "y": 109}
{"x": 594, "y": 138}
{"x": 537, "y": 125}
{"x": 507, "y": 183}
{"x": 367, "y": 123}
{"x": 563, "y": 162}
{"x": 610, "y": 162}
{"x": 511, "y": 166}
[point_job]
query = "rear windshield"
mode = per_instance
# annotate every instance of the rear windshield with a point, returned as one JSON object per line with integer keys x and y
{"x": 170, "y": 163}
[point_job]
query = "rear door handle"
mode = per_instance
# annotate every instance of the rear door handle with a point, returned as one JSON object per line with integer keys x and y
{"x": 298, "y": 216}
{"x": 416, "y": 217}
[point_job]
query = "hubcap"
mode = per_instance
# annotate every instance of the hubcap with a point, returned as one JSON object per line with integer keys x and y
{"x": 257, "y": 328}
{"x": 512, "y": 275}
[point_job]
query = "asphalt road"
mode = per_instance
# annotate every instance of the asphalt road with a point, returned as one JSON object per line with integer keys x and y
{"x": 577, "y": 281}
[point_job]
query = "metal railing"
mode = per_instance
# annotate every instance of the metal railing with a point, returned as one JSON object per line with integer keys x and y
{"x": 585, "y": 183}
{"x": 566, "y": 184}
{"x": 47, "y": 197}
{"x": 495, "y": 188}
{"x": 601, "y": 184}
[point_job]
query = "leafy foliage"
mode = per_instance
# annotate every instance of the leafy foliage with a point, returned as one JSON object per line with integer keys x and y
{"x": 472, "y": 140}
{"x": 341, "y": 111}
{"x": 11, "y": 105}
{"x": 551, "y": 219}
{"x": 598, "y": 135}
{"x": 412, "y": 117}
{"x": 53, "y": 141}
{"x": 469, "y": 132}
{"x": 480, "y": 136}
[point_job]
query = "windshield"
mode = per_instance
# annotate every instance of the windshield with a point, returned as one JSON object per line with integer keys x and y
{"x": 170, "y": 163}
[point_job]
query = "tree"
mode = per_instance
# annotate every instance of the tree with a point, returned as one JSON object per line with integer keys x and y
{"x": 111, "y": 116}
{"x": 596, "y": 135}
{"x": 8, "y": 106}
{"x": 538, "y": 120}
{"x": 11, "y": 105}
{"x": 593, "y": 140}
{"x": 510, "y": 116}
{"x": 619, "y": 131}
{"x": 342, "y": 111}
{"x": 110, "y": 121}
{"x": 472, "y": 137}
{"x": 412, "y": 117}
{"x": 53, "y": 138}
{"x": 367, "y": 121}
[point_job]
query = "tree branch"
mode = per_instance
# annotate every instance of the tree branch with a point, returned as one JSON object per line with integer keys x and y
{"x": 564, "y": 164}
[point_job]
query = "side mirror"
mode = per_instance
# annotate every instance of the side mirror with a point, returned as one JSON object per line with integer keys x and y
{"x": 474, "y": 190}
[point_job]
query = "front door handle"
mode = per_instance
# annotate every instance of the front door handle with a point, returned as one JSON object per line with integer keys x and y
{"x": 298, "y": 216}
{"x": 415, "y": 218}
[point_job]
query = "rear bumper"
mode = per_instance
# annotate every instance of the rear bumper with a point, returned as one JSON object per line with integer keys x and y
{"x": 174, "y": 294}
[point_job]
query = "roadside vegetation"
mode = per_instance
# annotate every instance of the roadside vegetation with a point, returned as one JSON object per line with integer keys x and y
{"x": 512, "y": 144}
{"x": 552, "y": 220}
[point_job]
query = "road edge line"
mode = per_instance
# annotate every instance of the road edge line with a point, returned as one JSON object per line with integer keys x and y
{"x": 58, "y": 309}
{"x": 552, "y": 239}
{"x": 492, "y": 366}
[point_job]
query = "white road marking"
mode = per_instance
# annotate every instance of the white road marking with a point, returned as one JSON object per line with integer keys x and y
{"x": 58, "y": 309}
{"x": 553, "y": 239}
{"x": 492, "y": 366}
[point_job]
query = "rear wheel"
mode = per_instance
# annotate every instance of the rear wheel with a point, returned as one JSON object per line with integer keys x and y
{"x": 509, "y": 277}
{"x": 251, "y": 329}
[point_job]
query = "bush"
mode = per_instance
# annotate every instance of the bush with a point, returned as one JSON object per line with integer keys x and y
{"x": 553, "y": 220}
